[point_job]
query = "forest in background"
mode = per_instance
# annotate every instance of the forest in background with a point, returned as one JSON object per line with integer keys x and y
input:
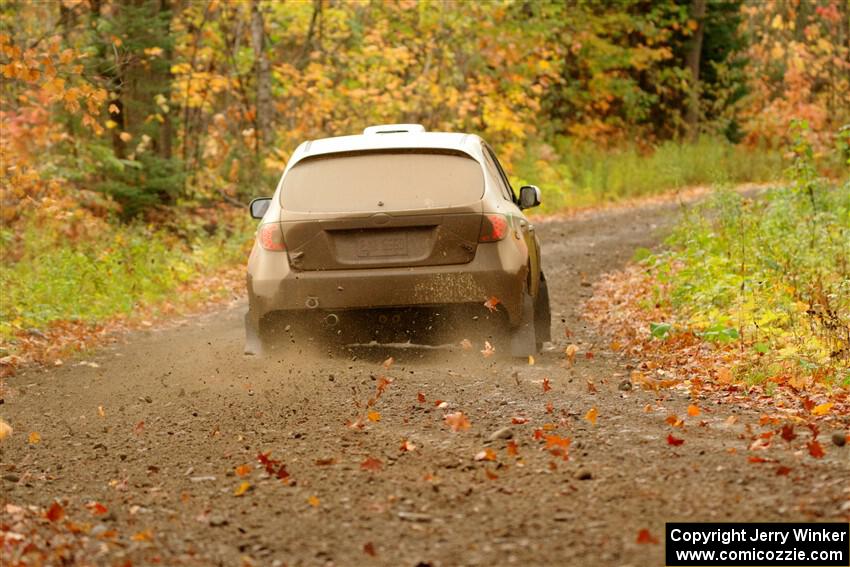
{"x": 134, "y": 132}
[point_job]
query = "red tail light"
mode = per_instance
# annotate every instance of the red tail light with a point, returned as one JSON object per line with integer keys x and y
{"x": 271, "y": 237}
{"x": 493, "y": 228}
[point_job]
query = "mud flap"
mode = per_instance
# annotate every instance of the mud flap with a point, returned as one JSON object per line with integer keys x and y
{"x": 524, "y": 337}
{"x": 253, "y": 341}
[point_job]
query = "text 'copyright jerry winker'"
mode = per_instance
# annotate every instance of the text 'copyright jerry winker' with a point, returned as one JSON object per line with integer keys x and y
{"x": 763, "y": 544}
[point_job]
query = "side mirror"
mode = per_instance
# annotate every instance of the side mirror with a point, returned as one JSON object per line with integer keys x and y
{"x": 258, "y": 207}
{"x": 529, "y": 196}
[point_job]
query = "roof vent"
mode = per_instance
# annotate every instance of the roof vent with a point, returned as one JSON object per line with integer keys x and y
{"x": 395, "y": 129}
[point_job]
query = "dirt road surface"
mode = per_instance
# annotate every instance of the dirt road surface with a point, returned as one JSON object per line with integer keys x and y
{"x": 155, "y": 429}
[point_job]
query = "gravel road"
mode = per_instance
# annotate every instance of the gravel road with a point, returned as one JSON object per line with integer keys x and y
{"x": 155, "y": 428}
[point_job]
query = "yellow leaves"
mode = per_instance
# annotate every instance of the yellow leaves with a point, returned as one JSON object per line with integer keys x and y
{"x": 777, "y": 22}
{"x": 113, "y": 109}
{"x": 591, "y": 415}
{"x": 5, "y": 430}
{"x": 570, "y": 352}
{"x": 144, "y": 535}
{"x": 101, "y": 412}
{"x": 530, "y": 360}
{"x": 111, "y": 124}
{"x": 153, "y": 51}
{"x": 822, "y": 409}
{"x": 242, "y": 488}
{"x": 34, "y": 438}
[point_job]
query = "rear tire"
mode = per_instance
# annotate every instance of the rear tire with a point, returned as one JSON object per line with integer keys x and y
{"x": 524, "y": 336}
{"x": 543, "y": 314}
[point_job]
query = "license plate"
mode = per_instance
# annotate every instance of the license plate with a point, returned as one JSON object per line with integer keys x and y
{"x": 381, "y": 245}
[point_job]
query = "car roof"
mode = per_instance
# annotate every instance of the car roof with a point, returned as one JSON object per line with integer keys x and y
{"x": 388, "y": 137}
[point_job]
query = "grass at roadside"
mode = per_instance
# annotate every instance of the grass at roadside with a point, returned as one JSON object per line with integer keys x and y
{"x": 572, "y": 175}
{"x": 60, "y": 283}
{"x": 754, "y": 291}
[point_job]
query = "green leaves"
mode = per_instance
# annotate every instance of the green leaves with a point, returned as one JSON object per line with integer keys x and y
{"x": 659, "y": 330}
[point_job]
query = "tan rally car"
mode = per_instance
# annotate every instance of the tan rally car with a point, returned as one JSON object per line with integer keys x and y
{"x": 396, "y": 230}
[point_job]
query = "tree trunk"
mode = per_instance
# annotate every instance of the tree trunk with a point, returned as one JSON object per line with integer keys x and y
{"x": 694, "y": 55}
{"x": 262, "y": 115}
{"x": 166, "y": 130}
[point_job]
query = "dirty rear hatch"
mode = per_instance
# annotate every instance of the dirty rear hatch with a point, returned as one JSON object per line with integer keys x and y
{"x": 382, "y": 209}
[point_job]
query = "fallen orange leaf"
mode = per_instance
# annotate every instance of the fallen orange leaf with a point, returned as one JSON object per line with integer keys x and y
{"x": 591, "y": 415}
{"x": 492, "y": 303}
{"x": 313, "y": 501}
{"x": 815, "y": 449}
{"x": 242, "y": 489}
{"x": 243, "y": 470}
{"x": 34, "y": 438}
{"x": 144, "y": 535}
{"x": 457, "y": 421}
{"x": 373, "y": 416}
{"x": 693, "y": 410}
{"x": 486, "y": 455}
{"x": 512, "y": 448}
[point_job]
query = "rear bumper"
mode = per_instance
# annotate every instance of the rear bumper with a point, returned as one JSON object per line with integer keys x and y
{"x": 498, "y": 269}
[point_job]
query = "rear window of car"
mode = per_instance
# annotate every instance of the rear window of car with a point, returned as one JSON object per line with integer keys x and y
{"x": 382, "y": 181}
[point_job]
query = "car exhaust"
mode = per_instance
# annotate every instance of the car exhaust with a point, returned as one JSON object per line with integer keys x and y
{"x": 332, "y": 320}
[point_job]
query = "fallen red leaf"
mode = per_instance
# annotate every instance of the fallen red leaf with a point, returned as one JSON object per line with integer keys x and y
{"x": 782, "y": 470}
{"x": 55, "y": 513}
{"x": 759, "y": 460}
{"x": 674, "y": 440}
{"x": 645, "y": 537}
{"x": 382, "y": 385}
{"x": 788, "y": 432}
{"x": 139, "y": 428}
{"x": 490, "y": 474}
{"x": 371, "y": 464}
{"x": 815, "y": 449}
{"x": 421, "y": 397}
{"x": 546, "y": 386}
{"x": 519, "y": 420}
{"x": 550, "y": 407}
{"x": 273, "y": 466}
{"x": 512, "y": 448}
{"x": 369, "y": 549}
{"x": 492, "y": 302}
